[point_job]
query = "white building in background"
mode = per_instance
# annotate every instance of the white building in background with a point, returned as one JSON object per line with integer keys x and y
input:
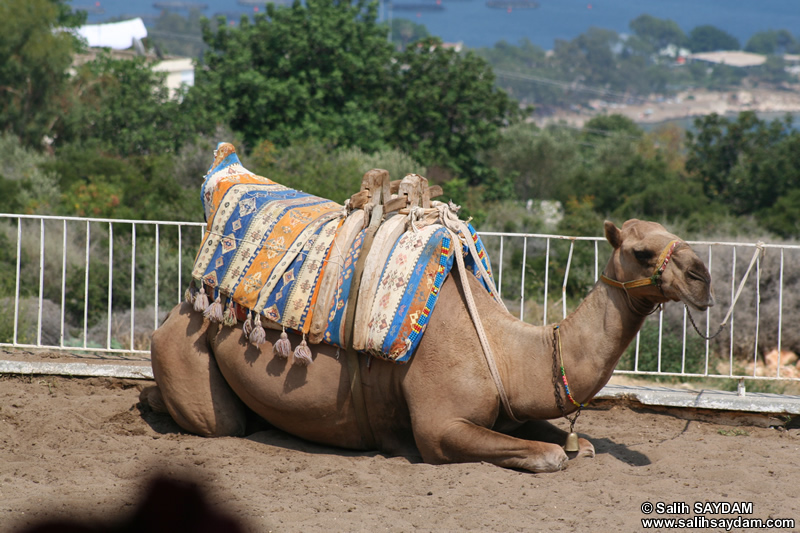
{"x": 124, "y": 39}
{"x": 180, "y": 72}
{"x": 115, "y": 35}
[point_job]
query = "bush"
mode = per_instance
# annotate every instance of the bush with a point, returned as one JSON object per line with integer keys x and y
{"x": 28, "y": 187}
{"x": 783, "y": 218}
{"x": 311, "y": 166}
{"x": 672, "y": 357}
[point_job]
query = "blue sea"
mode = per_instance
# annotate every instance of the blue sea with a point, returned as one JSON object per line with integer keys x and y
{"x": 476, "y": 25}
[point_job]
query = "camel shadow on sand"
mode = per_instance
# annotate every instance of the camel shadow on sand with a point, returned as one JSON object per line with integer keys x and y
{"x": 620, "y": 452}
{"x": 261, "y": 432}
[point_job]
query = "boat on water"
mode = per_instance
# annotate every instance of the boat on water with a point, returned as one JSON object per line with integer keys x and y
{"x": 180, "y": 5}
{"x": 92, "y": 10}
{"x": 417, "y": 7}
{"x": 512, "y": 4}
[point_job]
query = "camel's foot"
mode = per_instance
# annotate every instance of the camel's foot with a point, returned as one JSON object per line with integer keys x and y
{"x": 585, "y": 448}
{"x": 152, "y": 397}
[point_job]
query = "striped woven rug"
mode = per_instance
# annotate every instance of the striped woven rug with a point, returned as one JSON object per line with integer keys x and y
{"x": 286, "y": 258}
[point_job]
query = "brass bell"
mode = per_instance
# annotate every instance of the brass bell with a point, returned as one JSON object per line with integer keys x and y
{"x": 572, "y": 443}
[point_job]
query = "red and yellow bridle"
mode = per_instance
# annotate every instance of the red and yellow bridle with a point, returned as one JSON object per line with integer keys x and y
{"x": 655, "y": 279}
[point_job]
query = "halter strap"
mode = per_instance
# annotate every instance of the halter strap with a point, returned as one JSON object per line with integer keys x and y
{"x": 655, "y": 279}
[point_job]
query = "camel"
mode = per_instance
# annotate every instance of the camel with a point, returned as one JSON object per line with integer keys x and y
{"x": 443, "y": 405}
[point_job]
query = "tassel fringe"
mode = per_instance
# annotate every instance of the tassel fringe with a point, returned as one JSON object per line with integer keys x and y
{"x": 201, "y": 300}
{"x": 229, "y": 316}
{"x": 247, "y": 327}
{"x": 258, "y": 335}
{"x": 283, "y": 348}
{"x": 302, "y": 354}
{"x": 191, "y": 293}
{"x": 213, "y": 312}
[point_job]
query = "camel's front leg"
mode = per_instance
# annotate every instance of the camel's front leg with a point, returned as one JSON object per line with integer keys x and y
{"x": 465, "y": 442}
{"x": 542, "y": 430}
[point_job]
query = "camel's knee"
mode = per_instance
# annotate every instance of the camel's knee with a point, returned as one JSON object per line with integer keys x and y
{"x": 189, "y": 382}
{"x": 151, "y": 396}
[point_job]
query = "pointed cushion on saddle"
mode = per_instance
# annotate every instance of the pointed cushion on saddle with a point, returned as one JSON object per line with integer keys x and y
{"x": 255, "y": 230}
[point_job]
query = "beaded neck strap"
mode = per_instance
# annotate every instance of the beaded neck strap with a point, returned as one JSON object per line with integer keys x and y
{"x": 557, "y": 347}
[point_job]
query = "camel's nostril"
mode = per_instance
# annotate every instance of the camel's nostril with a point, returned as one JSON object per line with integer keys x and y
{"x": 695, "y": 275}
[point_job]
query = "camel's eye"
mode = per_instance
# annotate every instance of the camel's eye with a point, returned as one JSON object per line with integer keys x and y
{"x": 643, "y": 256}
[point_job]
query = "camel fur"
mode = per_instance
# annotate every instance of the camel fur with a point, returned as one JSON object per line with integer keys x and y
{"x": 443, "y": 405}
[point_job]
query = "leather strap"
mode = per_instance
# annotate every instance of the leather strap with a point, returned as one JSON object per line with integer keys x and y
{"x": 661, "y": 265}
{"x": 353, "y": 362}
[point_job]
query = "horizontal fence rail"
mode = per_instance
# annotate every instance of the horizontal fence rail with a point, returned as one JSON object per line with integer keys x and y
{"x": 101, "y": 286}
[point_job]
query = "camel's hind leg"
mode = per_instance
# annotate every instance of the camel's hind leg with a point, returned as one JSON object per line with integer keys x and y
{"x": 189, "y": 383}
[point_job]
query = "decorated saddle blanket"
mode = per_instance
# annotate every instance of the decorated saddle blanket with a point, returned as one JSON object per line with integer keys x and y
{"x": 280, "y": 256}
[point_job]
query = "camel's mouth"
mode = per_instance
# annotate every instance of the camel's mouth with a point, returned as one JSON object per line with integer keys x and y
{"x": 701, "y": 306}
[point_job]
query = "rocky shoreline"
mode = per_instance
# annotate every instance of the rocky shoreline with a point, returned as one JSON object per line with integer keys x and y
{"x": 685, "y": 105}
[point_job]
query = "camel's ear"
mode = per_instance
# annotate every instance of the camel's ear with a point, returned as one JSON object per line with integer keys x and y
{"x": 613, "y": 234}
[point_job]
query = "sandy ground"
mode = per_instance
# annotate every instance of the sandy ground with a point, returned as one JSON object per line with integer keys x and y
{"x": 85, "y": 448}
{"x": 687, "y": 104}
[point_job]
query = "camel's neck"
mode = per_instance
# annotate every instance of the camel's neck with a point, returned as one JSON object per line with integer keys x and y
{"x": 593, "y": 339}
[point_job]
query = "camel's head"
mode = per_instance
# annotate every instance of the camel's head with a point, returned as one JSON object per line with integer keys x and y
{"x": 652, "y": 264}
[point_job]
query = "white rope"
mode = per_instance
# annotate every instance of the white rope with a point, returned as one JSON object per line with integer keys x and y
{"x": 414, "y": 214}
{"x": 756, "y": 254}
{"x": 487, "y": 349}
{"x": 759, "y": 250}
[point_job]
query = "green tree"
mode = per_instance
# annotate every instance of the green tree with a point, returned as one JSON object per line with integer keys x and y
{"x": 98, "y": 183}
{"x": 771, "y": 42}
{"x": 589, "y": 59}
{"x": 518, "y": 66}
{"x": 658, "y": 33}
{"x": 709, "y": 38}
{"x": 405, "y": 32}
{"x": 315, "y": 69}
{"x": 538, "y": 162}
{"x": 747, "y": 163}
{"x": 125, "y": 104}
{"x": 629, "y": 174}
{"x": 178, "y": 35}
{"x": 783, "y": 218}
{"x": 602, "y": 126}
{"x": 772, "y": 71}
{"x": 27, "y": 187}
{"x": 35, "y": 54}
{"x": 443, "y": 109}
{"x": 312, "y": 166}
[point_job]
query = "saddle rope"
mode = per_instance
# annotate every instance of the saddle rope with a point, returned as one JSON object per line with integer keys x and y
{"x": 456, "y": 226}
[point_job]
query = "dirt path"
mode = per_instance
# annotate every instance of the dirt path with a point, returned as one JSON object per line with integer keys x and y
{"x": 83, "y": 448}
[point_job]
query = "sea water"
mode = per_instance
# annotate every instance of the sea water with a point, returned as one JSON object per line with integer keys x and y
{"x": 474, "y": 24}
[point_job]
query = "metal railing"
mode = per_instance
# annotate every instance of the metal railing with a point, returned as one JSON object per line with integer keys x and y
{"x": 105, "y": 278}
{"x": 101, "y": 286}
{"x": 753, "y": 276}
